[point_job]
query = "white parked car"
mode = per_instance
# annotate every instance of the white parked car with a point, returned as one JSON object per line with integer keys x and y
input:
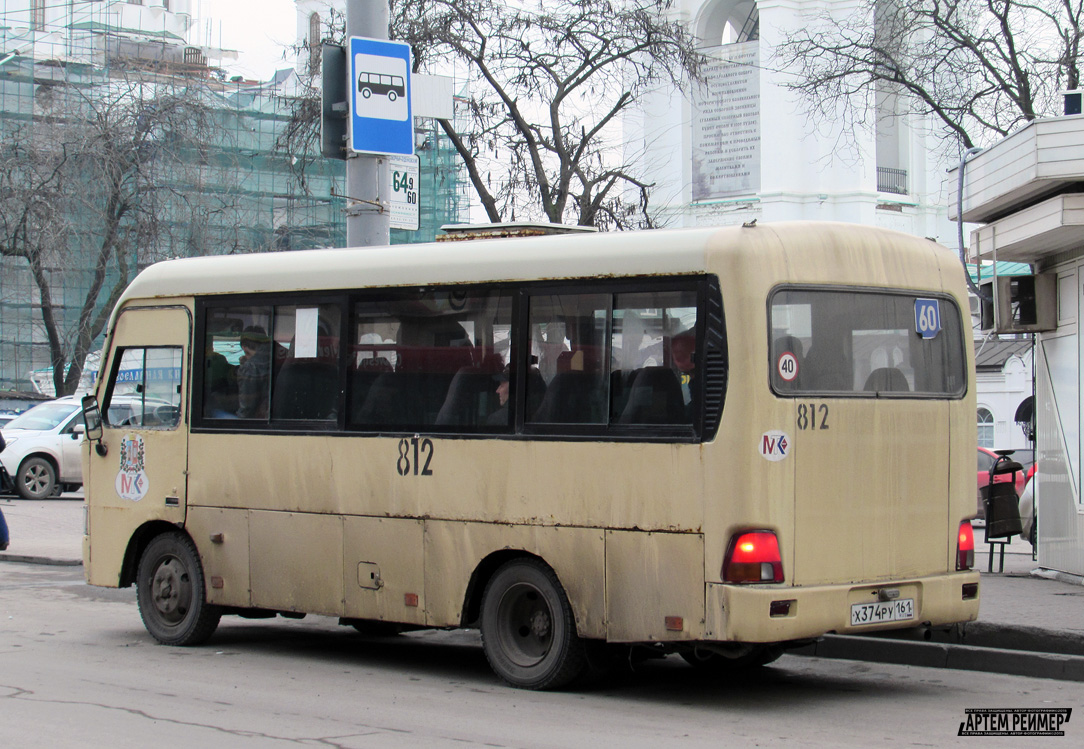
{"x": 41, "y": 450}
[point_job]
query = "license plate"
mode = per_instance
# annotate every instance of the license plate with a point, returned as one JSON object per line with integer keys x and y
{"x": 883, "y": 611}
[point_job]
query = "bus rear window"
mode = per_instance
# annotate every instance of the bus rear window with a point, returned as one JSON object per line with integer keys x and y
{"x": 865, "y": 343}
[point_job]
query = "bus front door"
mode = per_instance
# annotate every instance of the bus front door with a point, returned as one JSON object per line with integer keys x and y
{"x": 138, "y": 474}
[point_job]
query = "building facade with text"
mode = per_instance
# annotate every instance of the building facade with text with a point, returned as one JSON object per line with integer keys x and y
{"x": 742, "y": 146}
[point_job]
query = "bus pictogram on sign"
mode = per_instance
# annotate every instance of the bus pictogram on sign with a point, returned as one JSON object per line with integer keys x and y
{"x": 391, "y": 86}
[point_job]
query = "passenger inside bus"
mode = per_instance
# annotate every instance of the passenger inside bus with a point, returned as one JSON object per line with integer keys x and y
{"x": 500, "y": 417}
{"x": 683, "y": 357}
{"x": 220, "y": 384}
{"x": 253, "y": 373}
{"x": 536, "y": 389}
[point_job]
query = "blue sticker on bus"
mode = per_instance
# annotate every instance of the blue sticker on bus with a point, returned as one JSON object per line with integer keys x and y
{"x": 927, "y": 317}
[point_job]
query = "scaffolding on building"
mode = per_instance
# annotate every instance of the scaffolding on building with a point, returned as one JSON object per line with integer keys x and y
{"x": 238, "y": 193}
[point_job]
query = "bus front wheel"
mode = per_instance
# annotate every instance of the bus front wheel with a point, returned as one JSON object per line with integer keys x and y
{"x": 171, "y": 592}
{"x": 528, "y": 630}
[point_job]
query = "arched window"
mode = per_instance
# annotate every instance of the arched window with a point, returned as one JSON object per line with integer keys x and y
{"x": 1025, "y": 417}
{"x": 986, "y": 428}
{"x": 314, "y": 43}
{"x": 729, "y": 22}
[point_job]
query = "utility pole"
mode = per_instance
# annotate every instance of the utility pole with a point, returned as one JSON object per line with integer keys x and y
{"x": 368, "y": 220}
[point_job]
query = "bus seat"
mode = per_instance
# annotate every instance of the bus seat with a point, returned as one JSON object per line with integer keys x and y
{"x": 887, "y": 379}
{"x": 823, "y": 370}
{"x": 409, "y": 399}
{"x": 390, "y": 401}
{"x": 305, "y": 389}
{"x": 789, "y": 343}
{"x": 536, "y": 389}
{"x": 361, "y": 382}
{"x": 571, "y": 398}
{"x": 654, "y": 398}
{"x": 468, "y": 401}
{"x": 620, "y": 384}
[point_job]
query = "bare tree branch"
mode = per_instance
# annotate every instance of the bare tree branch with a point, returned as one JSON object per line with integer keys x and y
{"x": 93, "y": 191}
{"x": 981, "y": 67}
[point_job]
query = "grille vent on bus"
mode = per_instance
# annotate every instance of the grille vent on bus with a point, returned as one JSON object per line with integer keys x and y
{"x": 716, "y": 364}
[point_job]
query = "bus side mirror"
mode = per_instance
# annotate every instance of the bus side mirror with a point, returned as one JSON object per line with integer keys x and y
{"x": 92, "y": 417}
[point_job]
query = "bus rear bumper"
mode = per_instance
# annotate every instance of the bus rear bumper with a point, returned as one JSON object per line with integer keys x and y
{"x": 778, "y": 614}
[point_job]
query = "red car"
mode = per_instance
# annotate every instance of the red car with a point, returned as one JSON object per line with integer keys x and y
{"x": 986, "y": 462}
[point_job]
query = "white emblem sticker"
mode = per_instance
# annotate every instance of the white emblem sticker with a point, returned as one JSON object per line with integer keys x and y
{"x": 774, "y": 445}
{"x": 132, "y": 483}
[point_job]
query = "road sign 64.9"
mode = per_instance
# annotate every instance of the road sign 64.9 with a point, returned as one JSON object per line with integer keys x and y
{"x": 404, "y": 182}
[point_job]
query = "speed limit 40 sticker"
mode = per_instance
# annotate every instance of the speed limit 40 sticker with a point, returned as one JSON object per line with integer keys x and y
{"x": 787, "y": 366}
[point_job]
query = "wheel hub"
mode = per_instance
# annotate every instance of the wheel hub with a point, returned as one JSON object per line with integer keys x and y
{"x": 540, "y": 624}
{"x": 36, "y": 479}
{"x": 170, "y": 591}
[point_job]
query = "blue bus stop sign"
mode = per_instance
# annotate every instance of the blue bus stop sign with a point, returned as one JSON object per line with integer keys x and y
{"x": 381, "y": 121}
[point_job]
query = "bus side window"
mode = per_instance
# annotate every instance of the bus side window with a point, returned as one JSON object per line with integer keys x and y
{"x": 569, "y": 339}
{"x": 428, "y": 359}
{"x": 654, "y": 358}
{"x": 237, "y": 362}
{"x": 145, "y": 389}
{"x": 306, "y": 386}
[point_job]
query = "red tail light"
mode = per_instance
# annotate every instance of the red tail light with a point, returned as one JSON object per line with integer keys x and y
{"x": 965, "y": 547}
{"x": 753, "y": 557}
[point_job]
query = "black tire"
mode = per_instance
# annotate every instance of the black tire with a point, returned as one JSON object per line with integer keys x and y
{"x": 708, "y": 660}
{"x": 528, "y": 630}
{"x": 171, "y": 592}
{"x": 36, "y": 478}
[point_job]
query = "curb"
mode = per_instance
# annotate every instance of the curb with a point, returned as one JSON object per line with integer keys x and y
{"x": 945, "y": 655}
{"x": 993, "y": 636}
{"x": 31, "y": 559}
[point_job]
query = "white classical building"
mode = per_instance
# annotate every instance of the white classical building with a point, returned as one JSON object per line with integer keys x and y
{"x": 742, "y": 146}
{"x": 1003, "y": 384}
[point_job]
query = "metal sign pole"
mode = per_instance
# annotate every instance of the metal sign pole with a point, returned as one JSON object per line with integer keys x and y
{"x": 368, "y": 218}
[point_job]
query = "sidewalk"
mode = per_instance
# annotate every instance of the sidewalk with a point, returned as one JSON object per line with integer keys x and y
{"x": 48, "y": 531}
{"x": 1028, "y": 625}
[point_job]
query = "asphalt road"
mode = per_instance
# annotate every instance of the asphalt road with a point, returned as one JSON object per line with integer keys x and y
{"x": 78, "y": 669}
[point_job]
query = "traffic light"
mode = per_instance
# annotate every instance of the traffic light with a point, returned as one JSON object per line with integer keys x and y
{"x": 335, "y": 102}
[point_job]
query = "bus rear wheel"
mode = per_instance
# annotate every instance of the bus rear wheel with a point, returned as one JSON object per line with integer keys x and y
{"x": 528, "y": 630}
{"x": 708, "y": 660}
{"x": 171, "y": 592}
